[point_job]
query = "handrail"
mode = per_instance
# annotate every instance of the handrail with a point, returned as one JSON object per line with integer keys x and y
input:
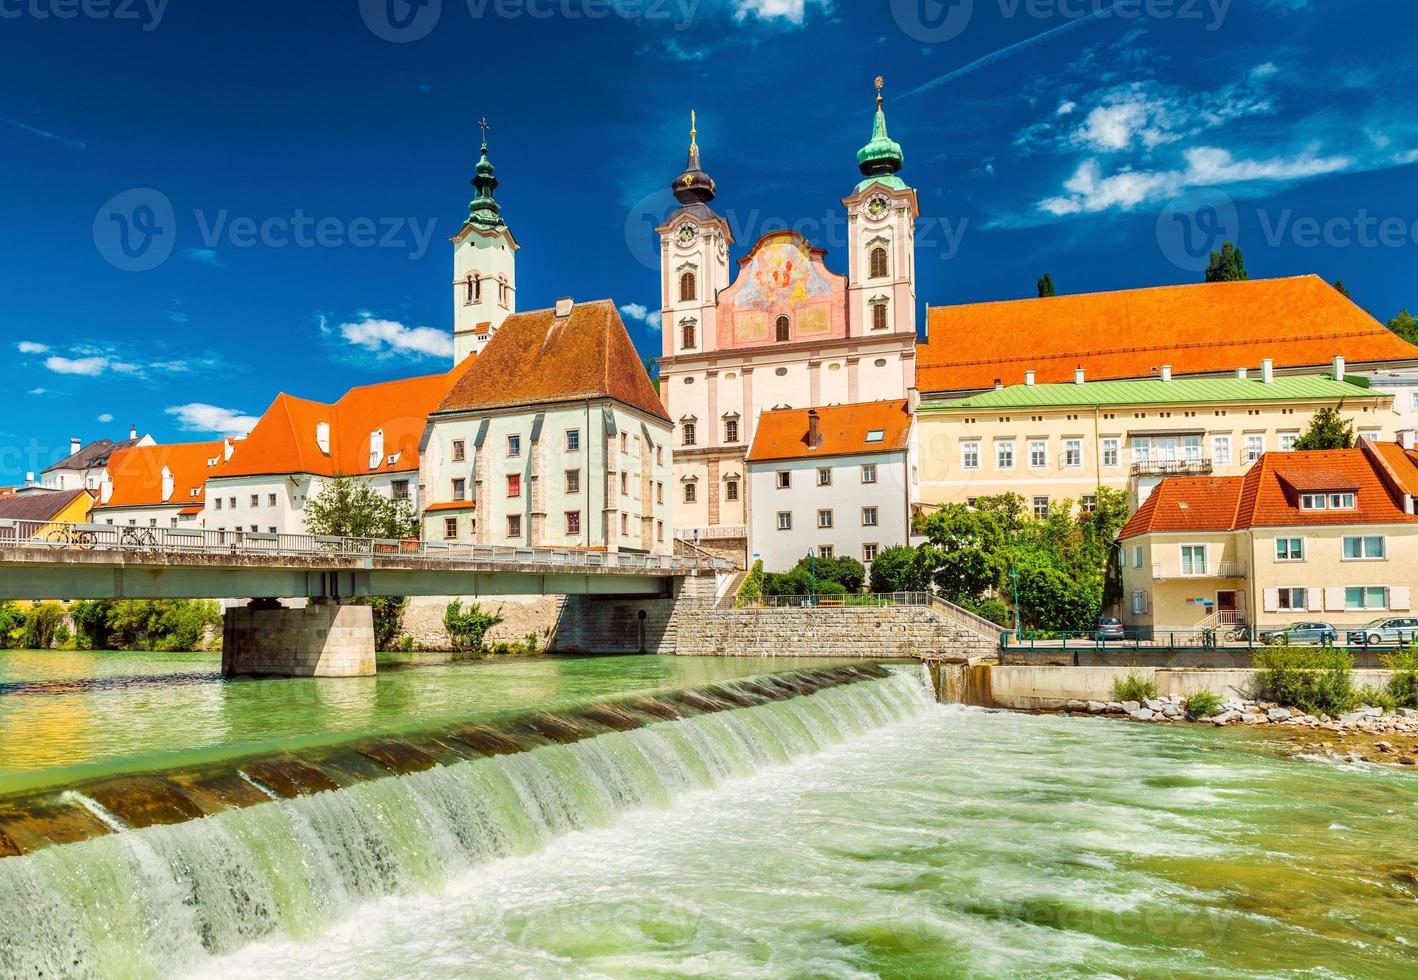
{"x": 963, "y": 617}
{"x": 148, "y": 540}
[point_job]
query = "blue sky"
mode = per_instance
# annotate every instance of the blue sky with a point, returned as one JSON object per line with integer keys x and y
{"x": 204, "y": 204}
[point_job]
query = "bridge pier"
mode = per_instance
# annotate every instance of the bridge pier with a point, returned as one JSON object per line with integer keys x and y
{"x": 325, "y": 639}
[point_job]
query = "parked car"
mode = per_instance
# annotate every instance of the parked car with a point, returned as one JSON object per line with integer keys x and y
{"x": 1110, "y": 628}
{"x": 1323, "y": 634}
{"x": 1387, "y": 629}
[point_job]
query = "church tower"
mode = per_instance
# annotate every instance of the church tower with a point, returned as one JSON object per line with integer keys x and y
{"x": 694, "y": 260}
{"x": 881, "y": 235}
{"x": 484, "y": 266}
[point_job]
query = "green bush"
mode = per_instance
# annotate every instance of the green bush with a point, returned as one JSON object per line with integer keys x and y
{"x": 12, "y": 625}
{"x": 91, "y": 630}
{"x": 1134, "y": 687}
{"x": 388, "y": 612}
{"x": 1376, "y": 697}
{"x": 468, "y": 628}
{"x": 1316, "y": 680}
{"x": 1403, "y": 684}
{"x": 897, "y": 570}
{"x": 817, "y": 576}
{"x": 993, "y": 609}
{"x": 1203, "y": 704}
{"x": 42, "y": 624}
{"x": 751, "y": 591}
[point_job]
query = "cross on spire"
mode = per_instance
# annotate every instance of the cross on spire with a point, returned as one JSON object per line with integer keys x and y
{"x": 484, "y": 125}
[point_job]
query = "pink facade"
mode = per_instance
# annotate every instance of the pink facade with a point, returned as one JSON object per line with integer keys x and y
{"x": 782, "y": 277}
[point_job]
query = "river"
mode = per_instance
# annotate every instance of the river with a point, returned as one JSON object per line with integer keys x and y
{"x": 861, "y": 831}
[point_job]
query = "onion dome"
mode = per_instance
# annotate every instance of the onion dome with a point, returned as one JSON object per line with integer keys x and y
{"x": 882, "y": 156}
{"x": 484, "y": 210}
{"x": 694, "y": 185}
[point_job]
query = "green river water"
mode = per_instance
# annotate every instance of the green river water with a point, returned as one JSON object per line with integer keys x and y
{"x": 858, "y": 832}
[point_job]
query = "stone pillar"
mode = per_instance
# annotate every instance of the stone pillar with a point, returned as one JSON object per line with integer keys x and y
{"x": 324, "y": 639}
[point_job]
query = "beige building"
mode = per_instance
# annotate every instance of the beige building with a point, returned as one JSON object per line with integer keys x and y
{"x": 1326, "y": 536}
{"x": 1055, "y": 442}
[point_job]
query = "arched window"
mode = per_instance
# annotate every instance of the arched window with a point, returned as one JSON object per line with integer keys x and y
{"x": 474, "y": 285}
{"x": 784, "y": 329}
{"x": 686, "y": 287}
{"x": 878, "y": 316}
{"x": 687, "y": 336}
{"x": 878, "y": 263}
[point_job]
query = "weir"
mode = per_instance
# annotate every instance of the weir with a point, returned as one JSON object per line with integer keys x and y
{"x": 138, "y": 875}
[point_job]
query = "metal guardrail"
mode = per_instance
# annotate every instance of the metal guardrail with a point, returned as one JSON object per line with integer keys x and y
{"x": 1238, "y": 637}
{"x": 110, "y": 537}
{"x": 961, "y": 616}
{"x": 1172, "y": 467}
{"x": 1224, "y": 569}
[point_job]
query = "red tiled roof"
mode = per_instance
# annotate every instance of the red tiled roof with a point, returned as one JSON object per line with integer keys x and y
{"x": 136, "y": 473}
{"x": 1402, "y": 464}
{"x": 535, "y": 357}
{"x": 284, "y": 440}
{"x": 1205, "y": 328}
{"x": 1269, "y": 495}
{"x": 782, "y": 434}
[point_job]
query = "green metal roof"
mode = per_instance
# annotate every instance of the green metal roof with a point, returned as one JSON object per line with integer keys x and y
{"x": 1181, "y": 391}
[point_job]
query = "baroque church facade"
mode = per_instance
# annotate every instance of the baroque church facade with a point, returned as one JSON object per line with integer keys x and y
{"x": 777, "y": 329}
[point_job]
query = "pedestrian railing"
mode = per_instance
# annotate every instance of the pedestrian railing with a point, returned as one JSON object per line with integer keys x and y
{"x": 130, "y": 539}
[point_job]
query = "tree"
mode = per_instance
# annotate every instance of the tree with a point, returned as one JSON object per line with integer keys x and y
{"x": 12, "y": 625}
{"x": 1046, "y": 285}
{"x": 388, "y": 613}
{"x": 1341, "y": 288}
{"x": 1406, "y": 326}
{"x": 896, "y": 570}
{"x": 351, "y": 508}
{"x": 1227, "y": 265}
{"x": 832, "y": 576}
{"x": 467, "y": 628}
{"x": 1328, "y": 430}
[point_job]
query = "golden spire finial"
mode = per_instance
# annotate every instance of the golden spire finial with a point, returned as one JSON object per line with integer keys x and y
{"x": 879, "y": 83}
{"x": 693, "y": 131}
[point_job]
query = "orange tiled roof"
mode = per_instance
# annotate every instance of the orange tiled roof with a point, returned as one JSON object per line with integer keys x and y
{"x": 453, "y": 505}
{"x": 136, "y": 473}
{"x": 1204, "y": 328}
{"x": 1402, "y": 464}
{"x": 1269, "y": 495}
{"x": 782, "y": 434}
{"x": 284, "y": 440}
{"x": 534, "y": 357}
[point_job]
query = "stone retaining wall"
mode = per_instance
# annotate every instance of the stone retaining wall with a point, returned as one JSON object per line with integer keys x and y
{"x": 869, "y": 632}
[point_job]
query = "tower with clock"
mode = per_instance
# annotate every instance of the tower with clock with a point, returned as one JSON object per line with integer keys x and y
{"x": 484, "y": 266}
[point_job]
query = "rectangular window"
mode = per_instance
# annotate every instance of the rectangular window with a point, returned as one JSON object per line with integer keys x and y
{"x": 868, "y": 472}
{"x": 1041, "y": 506}
{"x": 219, "y": 503}
{"x": 869, "y": 552}
{"x": 824, "y": 476}
{"x": 399, "y": 489}
{"x": 659, "y": 455}
{"x": 824, "y": 551}
{"x": 1139, "y": 603}
{"x": 514, "y": 525}
{"x": 1110, "y": 452}
{"x": 731, "y": 430}
{"x": 659, "y": 492}
{"x": 1295, "y": 600}
{"x": 624, "y": 484}
{"x": 785, "y": 520}
{"x": 1255, "y": 448}
{"x": 1288, "y": 440}
{"x": 1289, "y": 549}
{"x": 1193, "y": 559}
{"x": 514, "y": 445}
{"x": 876, "y": 435}
{"x": 1341, "y": 501}
{"x": 625, "y": 442}
{"x": 255, "y": 500}
{"x": 969, "y": 455}
{"x": 785, "y": 480}
{"x": 1090, "y": 503}
{"x": 1038, "y": 455}
{"x": 624, "y": 525}
{"x": 731, "y": 490}
{"x": 1366, "y": 597}
{"x": 573, "y": 481}
{"x": 1221, "y": 450}
{"x": 1073, "y": 453}
{"x": 868, "y": 517}
{"x": 450, "y": 528}
{"x": 459, "y": 451}
{"x": 690, "y": 493}
{"x": 687, "y": 433}
{"x": 1137, "y": 556}
{"x": 1365, "y": 548}
{"x": 824, "y": 519}
{"x": 659, "y": 530}
{"x": 271, "y": 497}
{"x": 460, "y": 489}
{"x": 573, "y": 440}
{"x": 514, "y": 484}
{"x": 231, "y": 502}
{"x": 1004, "y": 455}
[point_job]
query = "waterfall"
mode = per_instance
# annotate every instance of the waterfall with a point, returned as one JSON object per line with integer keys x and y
{"x": 155, "y": 900}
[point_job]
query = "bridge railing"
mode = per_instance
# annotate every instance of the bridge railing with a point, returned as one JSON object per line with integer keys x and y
{"x": 110, "y": 537}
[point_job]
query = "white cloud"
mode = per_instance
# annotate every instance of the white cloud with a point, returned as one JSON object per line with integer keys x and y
{"x": 388, "y": 337}
{"x": 199, "y": 417}
{"x": 105, "y": 418}
{"x": 30, "y": 347}
{"x": 39, "y": 391}
{"x": 44, "y": 134}
{"x": 1088, "y": 190}
{"x": 89, "y": 367}
{"x": 177, "y": 316}
{"x": 1066, "y": 108}
{"x": 206, "y": 256}
{"x": 641, "y": 312}
{"x": 791, "y": 11}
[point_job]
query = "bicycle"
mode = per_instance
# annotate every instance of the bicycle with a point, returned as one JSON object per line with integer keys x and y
{"x": 139, "y": 537}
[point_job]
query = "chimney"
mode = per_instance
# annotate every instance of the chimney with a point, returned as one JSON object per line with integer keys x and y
{"x": 1241, "y": 374}
{"x": 74, "y": 446}
{"x": 132, "y": 432}
{"x": 1078, "y": 377}
{"x": 29, "y": 479}
{"x": 1267, "y": 370}
{"x": 563, "y": 307}
{"x": 1338, "y": 367}
{"x": 1029, "y": 378}
{"x": 1408, "y": 439}
{"x": 814, "y": 429}
{"x": 913, "y": 401}
{"x": 999, "y": 384}
{"x": 1166, "y": 372}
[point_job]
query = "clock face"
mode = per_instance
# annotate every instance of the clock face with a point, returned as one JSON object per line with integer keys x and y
{"x": 878, "y": 206}
{"x": 687, "y": 233}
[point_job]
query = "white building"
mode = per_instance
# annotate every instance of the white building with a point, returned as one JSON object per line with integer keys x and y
{"x": 158, "y": 486}
{"x": 484, "y": 268}
{"x": 554, "y": 437}
{"x": 832, "y": 482}
{"x": 83, "y": 467}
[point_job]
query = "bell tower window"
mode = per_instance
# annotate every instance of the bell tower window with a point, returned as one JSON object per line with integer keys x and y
{"x": 687, "y": 335}
{"x": 878, "y": 316}
{"x": 877, "y": 263}
{"x": 783, "y": 329}
{"x": 686, "y": 287}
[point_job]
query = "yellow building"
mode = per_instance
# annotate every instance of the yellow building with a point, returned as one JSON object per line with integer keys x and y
{"x": 1326, "y": 536}
{"x": 1054, "y": 442}
{"x": 44, "y": 507}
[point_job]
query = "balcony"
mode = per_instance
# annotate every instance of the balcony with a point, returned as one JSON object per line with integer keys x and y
{"x": 1223, "y": 569}
{"x": 1172, "y": 467}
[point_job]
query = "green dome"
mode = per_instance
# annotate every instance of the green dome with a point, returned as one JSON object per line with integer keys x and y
{"x": 484, "y": 209}
{"x": 882, "y": 156}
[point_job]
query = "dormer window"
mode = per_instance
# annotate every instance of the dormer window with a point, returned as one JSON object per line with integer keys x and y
{"x": 876, "y": 435}
{"x": 1328, "y": 501}
{"x": 322, "y": 436}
